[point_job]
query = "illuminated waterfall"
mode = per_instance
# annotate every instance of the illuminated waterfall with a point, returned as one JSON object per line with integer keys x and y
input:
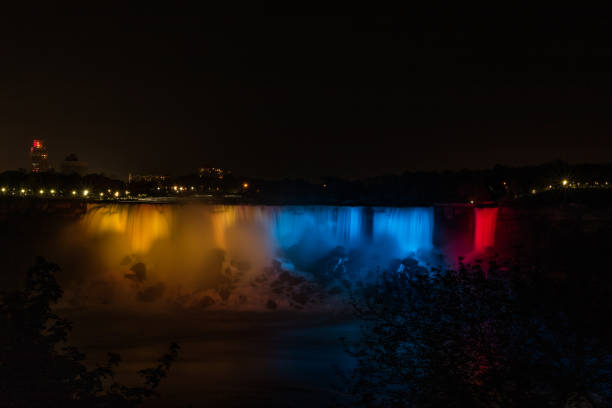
{"x": 196, "y": 251}
{"x": 183, "y": 233}
{"x": 411, "y": 229}
{"x": 140, "y": 224}
{"x": 403, "y": 230}
{"x": 333, "y": 226}
{"x": 484, "y": 229}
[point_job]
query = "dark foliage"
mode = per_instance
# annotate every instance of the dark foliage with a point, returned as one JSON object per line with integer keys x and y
{"x": 462, "y": 338}
{"x": 39, "y": 368}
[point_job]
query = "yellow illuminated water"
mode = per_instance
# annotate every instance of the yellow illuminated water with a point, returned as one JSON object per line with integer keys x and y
{"x": 179, "y": 244}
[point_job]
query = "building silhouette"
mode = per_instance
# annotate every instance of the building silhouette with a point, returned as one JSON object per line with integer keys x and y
{"x": 39, "y": 158}
{"x": 72, "y": 165}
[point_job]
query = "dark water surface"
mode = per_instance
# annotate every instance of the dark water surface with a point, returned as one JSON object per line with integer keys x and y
{"x": 227, "y": 359}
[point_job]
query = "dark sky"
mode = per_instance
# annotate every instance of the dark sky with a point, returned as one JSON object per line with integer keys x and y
{"x": 297, "y": 96}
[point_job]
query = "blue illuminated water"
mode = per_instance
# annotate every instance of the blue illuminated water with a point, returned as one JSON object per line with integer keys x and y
{"x": 398, "y": 231}
{"x": 315, "y": 240}
{"x": 409, "y": 229}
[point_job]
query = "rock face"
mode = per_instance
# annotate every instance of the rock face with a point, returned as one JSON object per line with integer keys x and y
{"x": 139, "y": 273}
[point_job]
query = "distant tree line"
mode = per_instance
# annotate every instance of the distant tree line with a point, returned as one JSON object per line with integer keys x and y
{"x": 499, "y": 184}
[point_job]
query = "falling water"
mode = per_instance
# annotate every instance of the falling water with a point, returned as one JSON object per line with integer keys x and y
{"x": 328, "y": 226}
{"x": 484, "y": 230}
{"x": 140, "y": 226}
{"x": 196, "y": 251}
{"x": 411, "y": 229}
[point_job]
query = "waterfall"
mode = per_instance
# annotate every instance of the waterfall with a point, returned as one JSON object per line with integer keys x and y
{"x": 484, "y": 229}
{"x": 140, "y": 224}
{"x": 411, "y": 229}
{"x": 249, "y": 232}
{"x": 330, "y": 226}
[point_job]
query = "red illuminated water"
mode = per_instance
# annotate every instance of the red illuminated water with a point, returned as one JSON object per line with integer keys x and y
{"x": 484, "y": 231}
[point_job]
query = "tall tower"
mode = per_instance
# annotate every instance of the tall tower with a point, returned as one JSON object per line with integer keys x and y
{"x": 39, "y": 157}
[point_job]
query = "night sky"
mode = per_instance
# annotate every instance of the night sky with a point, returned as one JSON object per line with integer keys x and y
{"x": 307, "y": 97}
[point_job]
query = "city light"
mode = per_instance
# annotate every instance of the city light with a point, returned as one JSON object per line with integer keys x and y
{"x": 127, "y": 192}
{"x": 101, "y": 194}
{"x": 52, "y": 191}
{"x": 564, "y": 182}
{"x": 42, "y": 191}
{"x": 116, "y": 194}
{"x": 85, "y": 193}
{"x": 533, "y": 191}
{"x": 22, "y": 191}
{"x": 245, "y": 185}
{"x": 3, "y": 189}
{"x": 73, "y": 192}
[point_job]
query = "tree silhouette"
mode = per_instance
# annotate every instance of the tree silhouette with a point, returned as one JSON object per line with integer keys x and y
{"x": 457, "y": 338}
{"x": 39, "y": 368}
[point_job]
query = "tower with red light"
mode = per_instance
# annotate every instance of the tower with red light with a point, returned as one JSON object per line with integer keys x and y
{"x": 39, "y": 158}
